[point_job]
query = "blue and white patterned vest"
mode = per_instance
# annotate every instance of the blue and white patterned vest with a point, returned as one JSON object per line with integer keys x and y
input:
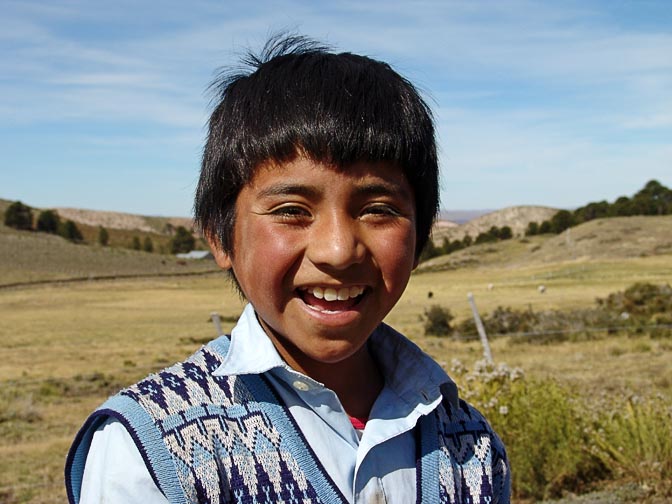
{"x": 213, "y": 439}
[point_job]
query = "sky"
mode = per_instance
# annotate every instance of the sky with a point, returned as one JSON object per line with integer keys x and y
{"x": 103, "y": 105}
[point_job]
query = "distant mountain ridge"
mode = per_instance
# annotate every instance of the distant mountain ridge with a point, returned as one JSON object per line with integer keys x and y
{"x": 516, "y": 217}
{"x": 121, "y": 220}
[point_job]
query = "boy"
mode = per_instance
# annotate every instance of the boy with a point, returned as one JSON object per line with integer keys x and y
{"x": 318, "y": 189}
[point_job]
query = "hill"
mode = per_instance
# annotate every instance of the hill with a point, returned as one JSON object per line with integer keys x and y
{"x": 113, "y": 220}
{"x": 121, "y": 220}
{"x": 27, "y": 256}
{"x": 610, "y": 238}
{"x": 517, "y": 218}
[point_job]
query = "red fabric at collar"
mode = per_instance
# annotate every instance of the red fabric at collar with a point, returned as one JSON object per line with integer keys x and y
{"x": 358, "y": 423}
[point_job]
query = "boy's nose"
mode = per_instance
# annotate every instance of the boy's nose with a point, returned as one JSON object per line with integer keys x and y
{"x": 335, "y": 243}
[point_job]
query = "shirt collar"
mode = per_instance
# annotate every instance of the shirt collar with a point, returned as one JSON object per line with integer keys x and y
{"x": 409, "y": 371}
{"x": 406, "y": 368}
{"x": 251, "y": 351}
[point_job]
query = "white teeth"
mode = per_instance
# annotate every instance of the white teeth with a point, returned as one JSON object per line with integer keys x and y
{"x": 333, "y": 294}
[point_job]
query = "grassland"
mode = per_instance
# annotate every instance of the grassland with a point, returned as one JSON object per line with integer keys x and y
{"x": 66, "y": 347}
{"x": 27, "y": 257}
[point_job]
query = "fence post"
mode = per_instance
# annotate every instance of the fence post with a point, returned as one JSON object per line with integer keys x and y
{"x": 217, "y": 320}
{"x": 481, "y": 330}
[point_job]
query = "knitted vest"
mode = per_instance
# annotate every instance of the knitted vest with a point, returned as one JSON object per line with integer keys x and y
{"x": 214, "y": 439}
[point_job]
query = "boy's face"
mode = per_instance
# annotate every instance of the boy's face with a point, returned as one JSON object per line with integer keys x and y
{"x": 323, "y": 254}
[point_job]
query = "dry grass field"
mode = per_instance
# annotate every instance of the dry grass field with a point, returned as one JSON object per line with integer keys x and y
{"x": 66, "y": 347}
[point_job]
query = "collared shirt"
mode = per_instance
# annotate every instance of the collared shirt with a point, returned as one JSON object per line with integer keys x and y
{"x": 379, "y": 467}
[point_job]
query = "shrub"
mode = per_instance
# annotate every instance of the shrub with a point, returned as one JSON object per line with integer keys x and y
{"x": 48, "y": 222}
{"x": 103, "y": 236}
{"x": 542, "y": 426}
{"x": 636, "y": 441}
{"x": 147, "y": 244}
{"x": 70, "y": 231}
{"x": 545, "y": 227}
{"x": 437, "y": 321}
{"x": 640, "y": 299}
{"x": 532, "y": 229}
{"x": 135, "y": 243}
{"x": 19, "y": 216}
{"x": 182, "y": 242}
{"x": 429, "y": 251}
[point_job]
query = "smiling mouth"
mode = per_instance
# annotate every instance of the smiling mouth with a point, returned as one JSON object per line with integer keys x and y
{"x": 331, "y": 299}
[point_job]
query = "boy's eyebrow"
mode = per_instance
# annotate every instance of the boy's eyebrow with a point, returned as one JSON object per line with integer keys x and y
{"x": 367, "y": 189}
{"x": 383, "y": 189}
{"x": 283, "y": 189}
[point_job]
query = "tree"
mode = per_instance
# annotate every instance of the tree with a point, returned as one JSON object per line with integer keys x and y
{"x": 623, "y": 206}
{"x": 48, "y": 222}
{"x": 147, "y": 244}
{"x": 505, "y": 233}
{"x": 103, "y": 236}
{"x": 429, "y": 251}
{"x": 135, "y": 243}
{"x": 70, "y": 231}
{"x": 182, "y": 242}
{"x": 653, "y": 199}
{"x": 19, "y": 216}
{"x": 562, "y": 220}
{"x": 532, "y": 229}
{"x": 592, "y": 211}
{"x": 545, "y": 227}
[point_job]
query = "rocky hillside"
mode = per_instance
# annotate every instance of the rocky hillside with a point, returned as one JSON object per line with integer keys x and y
{"x": 120, "y": 220}
{"x": 517, "y": 218}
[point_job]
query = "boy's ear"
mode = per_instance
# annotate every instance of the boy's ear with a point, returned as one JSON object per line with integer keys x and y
{"x": 222, "y": 258}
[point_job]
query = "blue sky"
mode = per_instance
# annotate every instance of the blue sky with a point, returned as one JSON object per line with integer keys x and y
{"x": 103, "y": 105}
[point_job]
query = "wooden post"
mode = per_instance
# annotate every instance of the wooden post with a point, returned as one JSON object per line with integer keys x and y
{"x": 217, "y": 320}
{"x": 481, "y": 330}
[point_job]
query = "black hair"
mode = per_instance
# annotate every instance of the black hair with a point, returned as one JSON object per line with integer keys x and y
{"x": 299, "y": 98}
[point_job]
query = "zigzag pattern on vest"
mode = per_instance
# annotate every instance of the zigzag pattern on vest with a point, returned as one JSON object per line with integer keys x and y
{"x": 472, "y": 467}
{"x": 226, "y": 446}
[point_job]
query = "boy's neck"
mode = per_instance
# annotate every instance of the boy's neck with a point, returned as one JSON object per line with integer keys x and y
{"x": 357, "y": 380}
{"x": 357, "y": 383}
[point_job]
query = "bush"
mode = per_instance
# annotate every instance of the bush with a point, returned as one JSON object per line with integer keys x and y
{"x": 19, "y": 216}
{"x": 542, "y": 425}
{"x": 532, "y": 229}
{"x": 429, "y": 251}
{"x": 182, "y": 242}
{"x": 135, "y": 243}
{"x": 636, "y": 441}
{"x": 48, "y": 222}
{"x": 103, "y": 236}
{"x": 147, "y": 244}
{"x": 437, "y": 321}
{"x": 70, "y": 231}
{"x": 640, "y": 300}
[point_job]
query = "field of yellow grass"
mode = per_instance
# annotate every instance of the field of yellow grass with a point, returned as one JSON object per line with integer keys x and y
{"x": 65, "y": 348}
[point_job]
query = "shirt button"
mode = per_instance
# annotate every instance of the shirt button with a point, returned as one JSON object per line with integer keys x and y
{"x": 302, "y": 386}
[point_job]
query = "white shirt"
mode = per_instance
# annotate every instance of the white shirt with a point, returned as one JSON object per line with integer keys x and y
{"x": 379, "y": 467}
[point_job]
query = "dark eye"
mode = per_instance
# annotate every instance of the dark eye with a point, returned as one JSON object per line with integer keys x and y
{"x": 382, "y": 210}
{"x": 291, "y": 212}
